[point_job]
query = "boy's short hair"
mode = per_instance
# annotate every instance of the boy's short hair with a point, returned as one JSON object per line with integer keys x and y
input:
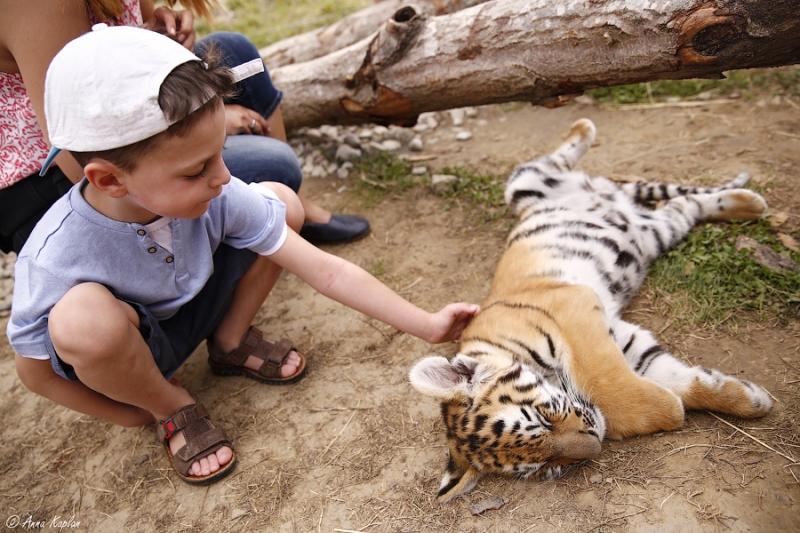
{"x": 186, "y": 95}
{"x": 114, "y": 91}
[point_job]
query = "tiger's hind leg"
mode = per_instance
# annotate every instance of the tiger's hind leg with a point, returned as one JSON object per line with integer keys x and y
{"x": 698, "y": 388}
{"x": 544, "y": 177}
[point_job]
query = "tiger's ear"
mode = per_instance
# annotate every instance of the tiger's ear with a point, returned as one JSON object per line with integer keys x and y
{"x": 450, "y": 381}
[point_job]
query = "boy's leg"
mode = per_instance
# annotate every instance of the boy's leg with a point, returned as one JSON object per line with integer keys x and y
{"x": 254, "y": 287}
{"x": 99, "y": 337}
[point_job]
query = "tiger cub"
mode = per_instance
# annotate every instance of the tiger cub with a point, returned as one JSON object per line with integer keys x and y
{"x": 548, "y": 368}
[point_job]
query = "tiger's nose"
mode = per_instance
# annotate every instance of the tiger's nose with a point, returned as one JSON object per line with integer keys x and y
{"x": 577, "y": 446}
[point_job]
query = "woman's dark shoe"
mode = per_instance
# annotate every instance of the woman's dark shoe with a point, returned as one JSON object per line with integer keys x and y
{"x": 340, "y": 229}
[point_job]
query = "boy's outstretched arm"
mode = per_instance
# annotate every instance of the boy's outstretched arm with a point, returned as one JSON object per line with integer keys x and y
{"x": 352, "y": 286}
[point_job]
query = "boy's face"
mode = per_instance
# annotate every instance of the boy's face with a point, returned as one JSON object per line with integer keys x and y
{"x": 180, "y": 176}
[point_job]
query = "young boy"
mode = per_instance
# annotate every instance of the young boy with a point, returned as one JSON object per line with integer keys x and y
{"x": 158, "y": 248}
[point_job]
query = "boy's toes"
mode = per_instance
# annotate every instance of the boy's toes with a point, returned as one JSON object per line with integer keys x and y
{"x": 211, "y": 463}
{"x": 290, "y": 365}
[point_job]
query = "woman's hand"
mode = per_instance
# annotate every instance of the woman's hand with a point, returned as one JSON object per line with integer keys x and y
{"x": 239, "y": 120}
{"x": 177, "y": 25}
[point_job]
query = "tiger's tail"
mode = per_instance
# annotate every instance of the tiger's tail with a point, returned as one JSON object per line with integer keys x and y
{"x": 644, "y": 192}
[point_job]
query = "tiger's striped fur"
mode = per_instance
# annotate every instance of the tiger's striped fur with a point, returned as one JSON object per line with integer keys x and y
{"x": 548, "y": 368}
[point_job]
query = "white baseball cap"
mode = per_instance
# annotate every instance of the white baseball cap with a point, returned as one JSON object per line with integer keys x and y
{"x": 101, "y": 89}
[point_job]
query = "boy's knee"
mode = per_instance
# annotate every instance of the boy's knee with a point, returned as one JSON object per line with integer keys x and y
{"x": 295, "y": 214}
{"x": 86, "y": 317}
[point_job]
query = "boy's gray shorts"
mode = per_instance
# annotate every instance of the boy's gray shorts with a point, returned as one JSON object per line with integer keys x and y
{"x": 173, "y": 340}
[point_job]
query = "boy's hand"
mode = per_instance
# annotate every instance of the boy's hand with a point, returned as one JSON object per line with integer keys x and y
{"x": 451, "y": 321}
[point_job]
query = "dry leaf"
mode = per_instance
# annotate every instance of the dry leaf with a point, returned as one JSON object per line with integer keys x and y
{"x": 777, "y": 219}
{"x": 788, "y": 241}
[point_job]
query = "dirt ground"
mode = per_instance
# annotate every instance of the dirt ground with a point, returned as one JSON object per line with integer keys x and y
{"x": 353, "y": 448}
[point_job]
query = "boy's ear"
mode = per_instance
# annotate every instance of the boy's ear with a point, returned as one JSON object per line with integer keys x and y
{"x": 104, "y": 177}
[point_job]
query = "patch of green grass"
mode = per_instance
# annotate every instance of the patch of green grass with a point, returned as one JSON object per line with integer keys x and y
{"x": 378, "y": 268}
{"x": 269, "y": 21}
{"x": 708, "y": 282}
{"x": 481, "y": 191}
{"x": 784, "y": 80}
{"x": 382, "y": 174}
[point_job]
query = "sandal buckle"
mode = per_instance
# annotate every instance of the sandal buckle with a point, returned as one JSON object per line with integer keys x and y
{"x": 169, "y": 428}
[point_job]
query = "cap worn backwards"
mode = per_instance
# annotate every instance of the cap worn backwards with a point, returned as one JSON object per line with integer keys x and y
{"x": 101, "y": 89}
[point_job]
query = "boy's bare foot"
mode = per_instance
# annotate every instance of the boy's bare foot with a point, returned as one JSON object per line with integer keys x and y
{"x": 199, "y": 451}
{"x": 289, "y": 367}
{"x": 208, "y": 464}
{"x": 251, "y": 356}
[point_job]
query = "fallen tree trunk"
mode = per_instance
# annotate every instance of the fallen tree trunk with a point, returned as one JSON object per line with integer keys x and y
{"x": 349, "y": 30}
{"x": 539, "y": 51}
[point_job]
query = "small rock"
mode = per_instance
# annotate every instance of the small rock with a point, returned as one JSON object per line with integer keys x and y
{"x": 441, "y": 182}
{"x": 318, "y": 172}
{"x": 404, "y": 135}
{"x": 391, "y": 145}
{"x": 332, "y": 167}
{"x": 471, "y": 112}
{"x": 236, "y": 513}
{"x": 343, "y": 172}
{"x": 352, "y": 140}
{"x": 346, "y": 152}
{"x": 421, "y": 127}
{"x": 457, "y": 116}
{"x": 341, "y": 189}
{"x": 416, "y": 144}
{"x": 734, "y": 95}
{"x": 761, "y": 103}
{"x": 429, "y": 119}
{"x": 374, "y": 146}
{"x": 464, "y": 136}
{"x": 673, "y": 99}
{"x": 331, "y": 132}
{"x": 314, "y": 133}
{"x": 365, "y": 134}
{"x": 776, "y": 100}
{"x": 596, "y": 479}
{"x": 585, "y": 99}
{"x": 418, "y": 171}
{"x": 141, "y": 460}
{"x": 380, "y": 131}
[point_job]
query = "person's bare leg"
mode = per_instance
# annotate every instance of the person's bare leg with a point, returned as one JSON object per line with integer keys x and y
{"x": 254, "y": 287}
{"x": 99, "y": 337}
{"x": 313, "y": 212}
{"x": 39, "y": 377}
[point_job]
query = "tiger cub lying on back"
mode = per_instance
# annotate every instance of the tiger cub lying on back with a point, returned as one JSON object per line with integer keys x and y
{"x": 548, "y": 368}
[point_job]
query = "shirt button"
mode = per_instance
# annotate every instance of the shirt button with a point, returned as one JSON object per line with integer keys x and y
{"x": 170, "y": 259}
{"x": 152, "y": 249}
{"x": 141, "y": 232}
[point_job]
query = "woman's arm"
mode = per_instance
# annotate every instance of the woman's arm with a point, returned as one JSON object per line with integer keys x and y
{"x": 31, "y": 33}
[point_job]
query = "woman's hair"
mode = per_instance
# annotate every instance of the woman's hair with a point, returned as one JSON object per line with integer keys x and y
{"x": 188, "y": 93}
{"x": 112, "y": 9}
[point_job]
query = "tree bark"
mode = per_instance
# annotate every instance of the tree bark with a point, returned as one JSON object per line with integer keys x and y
{"x": 540, "y": 51}
{"x": 349, "y": 30}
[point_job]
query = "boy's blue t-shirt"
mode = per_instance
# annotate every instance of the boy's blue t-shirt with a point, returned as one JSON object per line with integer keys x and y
{"x": 75, "y": 244}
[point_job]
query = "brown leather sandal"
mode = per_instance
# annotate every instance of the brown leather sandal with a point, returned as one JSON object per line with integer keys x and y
{"x": 273, "y": 355}
{"x": 202, "y": 439}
